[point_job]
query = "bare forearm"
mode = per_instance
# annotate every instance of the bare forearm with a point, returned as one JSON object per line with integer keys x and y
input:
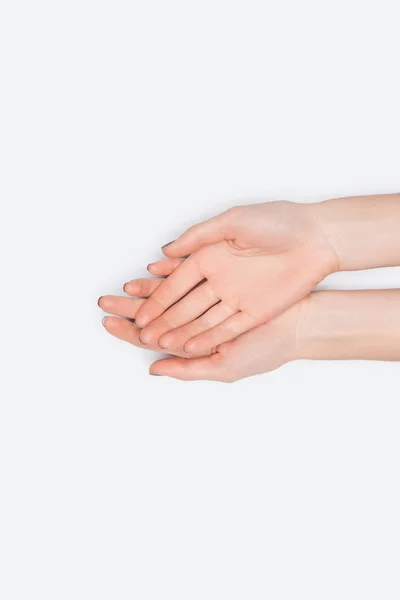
{"x": 363, "y": 231}
{"x": 343, "y": 325}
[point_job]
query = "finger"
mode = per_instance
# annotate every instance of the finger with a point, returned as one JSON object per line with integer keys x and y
{"x": 190, "y": 307}
{"x": 224, "y": 332}
{"x": 172, "y": 289}
{"x": 123, "y": 330}
{"x": 142, "y": 287}
{"x": 178, "y": 338}
{"x": 211, "y": 231}
{"x": 145, "y": 287}
{"x": 127, "y": 332}
{"x": 121, "y": 306}
{"x": 164, "y": 267}
{"x": 190, "y": 369}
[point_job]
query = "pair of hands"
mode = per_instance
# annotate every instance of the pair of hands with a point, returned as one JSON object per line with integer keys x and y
{"x": 233, "y": 307}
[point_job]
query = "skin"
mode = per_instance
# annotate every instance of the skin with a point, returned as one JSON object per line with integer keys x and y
{"x": 251, "y": 270}
{"x": 262, "y": 349}
{"x": 325, "y": 325}
{"x": 251, "y": 263}
{"x": 226, "y": 254}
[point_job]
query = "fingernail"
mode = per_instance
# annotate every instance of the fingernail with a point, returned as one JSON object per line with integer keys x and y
{"x": 155, "y": 374}
{"x": 165, "y": 245}
{"x": 124, "y": 286}
{"x": 98, "y": 301}
{"x": 143, "y": 343}
{"x": 103, "y": 320}
{"x": 150, "y": 264}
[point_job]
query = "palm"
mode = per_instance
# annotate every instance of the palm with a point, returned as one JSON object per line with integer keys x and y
{"x": 257, "y": 283}
{"x": 270, "y": 256}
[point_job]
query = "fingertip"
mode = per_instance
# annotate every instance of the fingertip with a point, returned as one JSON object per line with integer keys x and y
{"x": 130, "y": 287}
{"x": 142, "y": 340}
{"x": 165, "y": 342}
{"x": 99, "y": 300}
{"x": 170, "y": 251}
{"x": 108, "y": 322}
{"x": 160, "y": 367}
{"x": 106, "y": 303}
{"x": 190, "y": 347}
{"x": 141, "y": 321}
{"x": 142, "y": 317}
{"x": 154, "y": 268}
{"x": 167, "y": 244}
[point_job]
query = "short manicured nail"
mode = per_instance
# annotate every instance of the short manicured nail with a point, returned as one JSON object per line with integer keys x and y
{"x": 155, "y": 374}
{"x": 149, "y": 265}
{"x": 165, "y": 245}
{"x": 103, "y": 321}
{"x": 124, "y": 286}
{"x": 98, "y": 301}
{"x": 143, "y": 343}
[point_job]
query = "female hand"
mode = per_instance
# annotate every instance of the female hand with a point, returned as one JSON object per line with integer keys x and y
{"x": 262, "y": 349}
{"x": 247, "y": 265}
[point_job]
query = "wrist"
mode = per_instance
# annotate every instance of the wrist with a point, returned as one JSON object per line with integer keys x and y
{"x": 330, "y": 223}
{"x": 350, "y": 325}
{"x": 362, "y": 232}
{"x": 324, "y": 250}
{"x": 315, "y": 333}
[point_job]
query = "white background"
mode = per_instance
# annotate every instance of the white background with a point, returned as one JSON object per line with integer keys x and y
{"x": 122, "y": 123}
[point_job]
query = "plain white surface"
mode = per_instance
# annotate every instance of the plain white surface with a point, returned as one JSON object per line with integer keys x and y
{"x": 121, "y": 124}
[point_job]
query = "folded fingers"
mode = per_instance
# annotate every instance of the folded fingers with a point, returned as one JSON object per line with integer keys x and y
{"x": 213, "y": 317}
{"x": 186, "y": 310}
{"x": 127, "y": 332}
{"x": 226, "y": 331}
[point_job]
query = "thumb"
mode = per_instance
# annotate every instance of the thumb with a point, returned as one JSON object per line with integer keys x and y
{"x": 190, "y": 369}
{"x": 213, "y": 230}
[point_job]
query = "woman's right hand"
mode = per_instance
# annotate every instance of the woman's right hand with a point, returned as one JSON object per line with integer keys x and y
{"x": 260, "y": 350}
